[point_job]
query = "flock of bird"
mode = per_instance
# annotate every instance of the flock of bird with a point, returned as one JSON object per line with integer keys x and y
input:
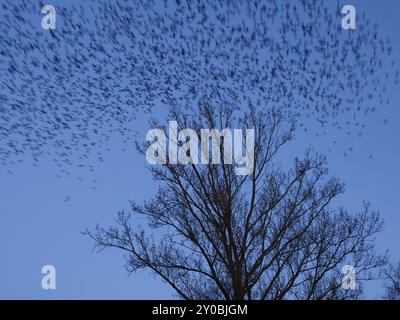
{"x": 67, "y": 92}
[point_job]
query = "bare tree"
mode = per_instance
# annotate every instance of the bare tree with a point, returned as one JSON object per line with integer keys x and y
{"x": 392, "y": 285}
{"x": 272, "y": 234}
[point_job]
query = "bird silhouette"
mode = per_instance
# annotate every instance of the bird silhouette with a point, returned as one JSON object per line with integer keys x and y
{"x": 67, "y": 92}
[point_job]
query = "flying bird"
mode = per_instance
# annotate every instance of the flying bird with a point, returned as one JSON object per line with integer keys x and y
{"x": 67, "y": 92}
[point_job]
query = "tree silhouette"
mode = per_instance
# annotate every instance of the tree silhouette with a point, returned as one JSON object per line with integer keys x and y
{"x": 272, "y": 234}
{"x": 392, "y": 274}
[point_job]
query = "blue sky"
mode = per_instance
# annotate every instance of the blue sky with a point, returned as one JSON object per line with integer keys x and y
{"x": 42, "y": 216}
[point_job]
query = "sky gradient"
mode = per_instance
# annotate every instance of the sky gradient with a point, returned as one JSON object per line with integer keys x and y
{"x": 42, "y": 215}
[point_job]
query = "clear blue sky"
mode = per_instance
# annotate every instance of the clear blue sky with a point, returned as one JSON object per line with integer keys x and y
{"x": 38, "y": 226}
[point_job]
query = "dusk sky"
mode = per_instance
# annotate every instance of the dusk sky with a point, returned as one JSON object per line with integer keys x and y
{"x": 43, "y": 212}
